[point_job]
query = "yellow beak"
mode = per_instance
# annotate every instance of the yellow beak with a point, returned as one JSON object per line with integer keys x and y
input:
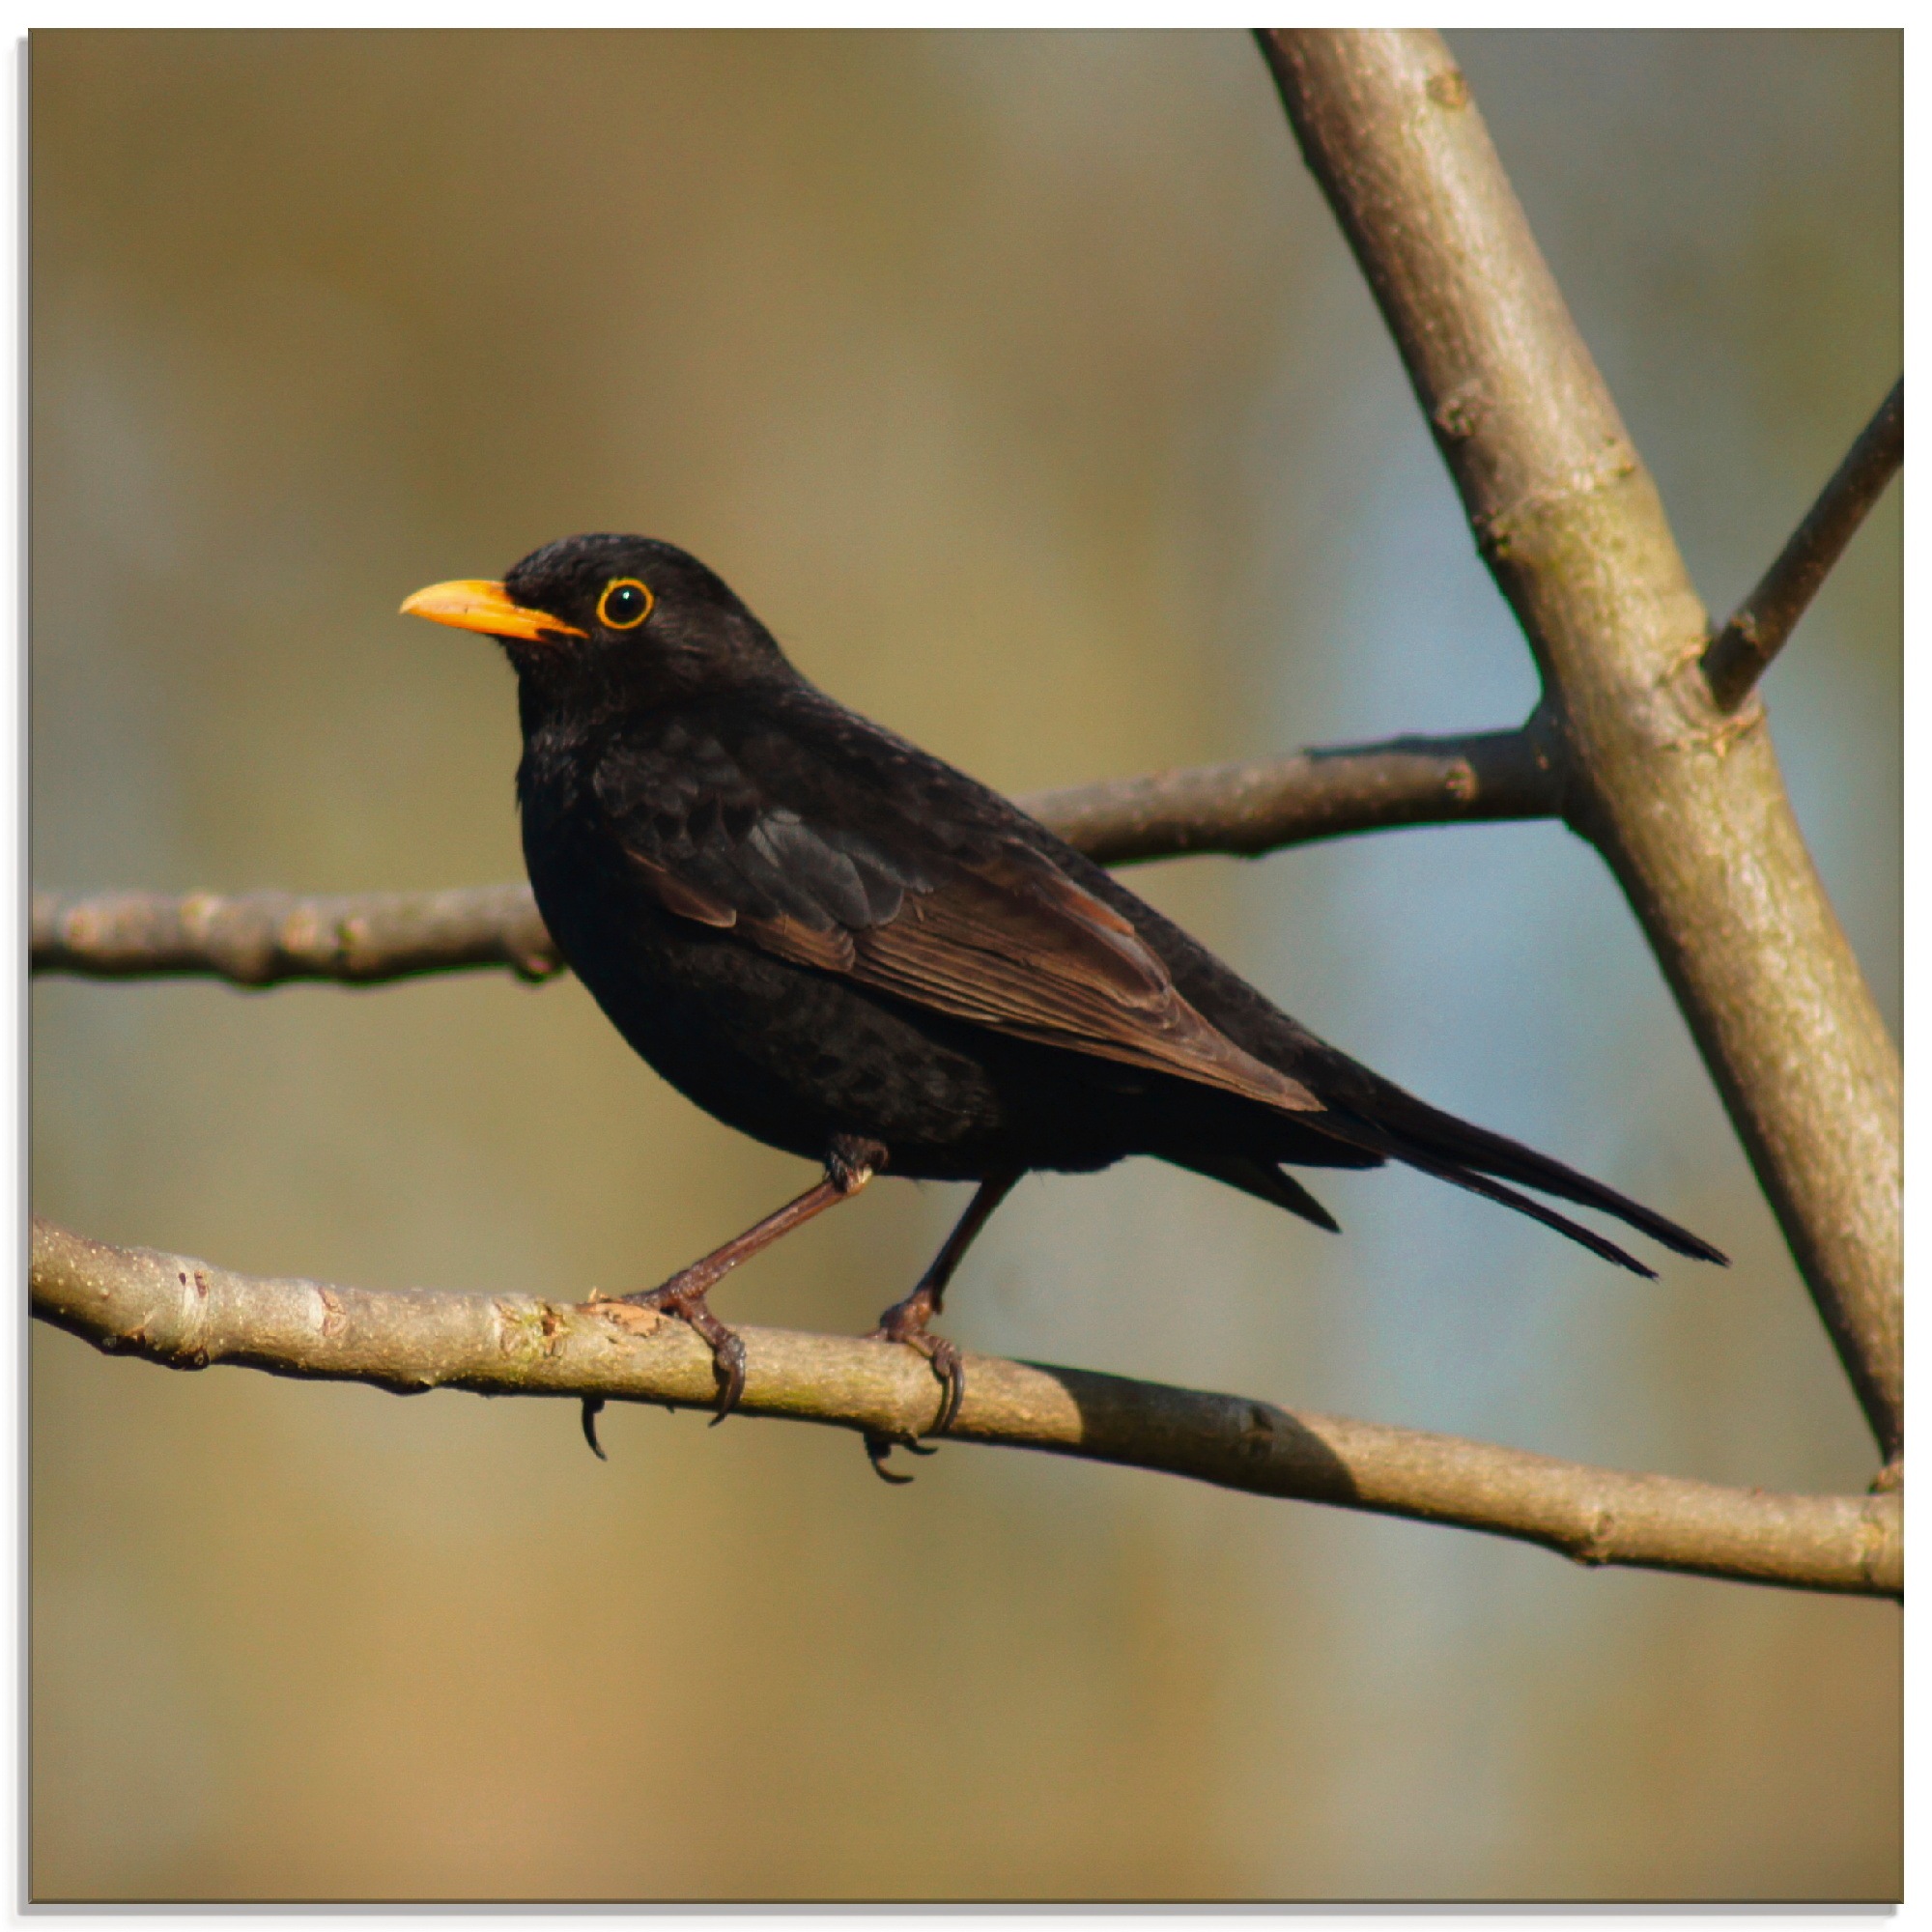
{"x": 473, "y": 604}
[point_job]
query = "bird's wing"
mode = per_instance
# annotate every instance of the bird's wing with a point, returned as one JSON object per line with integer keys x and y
{"x": 989, "y": 931}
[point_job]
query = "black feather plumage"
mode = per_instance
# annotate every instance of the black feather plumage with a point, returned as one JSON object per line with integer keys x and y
{"x": 830, "y": 939}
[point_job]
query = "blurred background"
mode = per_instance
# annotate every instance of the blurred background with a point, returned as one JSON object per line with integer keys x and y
{"x": 1023, "y": 384}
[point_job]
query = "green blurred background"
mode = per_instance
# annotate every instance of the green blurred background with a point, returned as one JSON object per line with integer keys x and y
{"x": 1023, "y": 384}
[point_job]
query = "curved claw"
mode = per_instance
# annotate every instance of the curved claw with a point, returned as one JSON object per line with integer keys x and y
{"x": 946, "y": 1365}
{"x": 683, "y": 1295}
{"x": 951, "y": 1373}
{"x": 728, "y": 1362}
{"x": 905, "y": 1323}
{"x": 593, "y": 1407}
{"x": 878, "y": 1446}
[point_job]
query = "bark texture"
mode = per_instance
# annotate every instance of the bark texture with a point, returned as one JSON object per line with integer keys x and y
{"x": 1647, "y": 742}
{"x": 1684, "y": 802}
{"x": 180, "y": 1310}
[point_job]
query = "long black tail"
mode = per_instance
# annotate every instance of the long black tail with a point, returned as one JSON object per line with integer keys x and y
{"x": 1386, "y": 1121}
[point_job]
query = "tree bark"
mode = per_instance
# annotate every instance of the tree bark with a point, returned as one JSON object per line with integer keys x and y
{"x": 1630, "y": 744}
{"x": 182, "y": 1311}
{"x": 1684, "y": 803}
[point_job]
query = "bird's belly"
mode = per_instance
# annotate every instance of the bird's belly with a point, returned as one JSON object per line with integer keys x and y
{"x": 797, "y": 1058}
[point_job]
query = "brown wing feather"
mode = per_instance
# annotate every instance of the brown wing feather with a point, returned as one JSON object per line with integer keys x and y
{"x": 831, "y": 951}
{"x": 681, "y": 896}
{"x": 1015, "y": 946}
{"x": 1045, "y": 970}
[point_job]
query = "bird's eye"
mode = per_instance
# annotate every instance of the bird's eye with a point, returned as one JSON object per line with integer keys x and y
{"x": 624, "y": 604}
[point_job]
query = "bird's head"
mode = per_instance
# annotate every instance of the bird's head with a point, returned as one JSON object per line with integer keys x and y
{"x": 623, "y": 619}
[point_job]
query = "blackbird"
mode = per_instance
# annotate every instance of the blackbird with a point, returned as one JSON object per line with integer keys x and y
{"x": 841, "y": 946}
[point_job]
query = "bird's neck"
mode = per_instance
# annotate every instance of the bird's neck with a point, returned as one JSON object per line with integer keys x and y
{"x": 567, "y": 742}
{"x": 559, "y": 750}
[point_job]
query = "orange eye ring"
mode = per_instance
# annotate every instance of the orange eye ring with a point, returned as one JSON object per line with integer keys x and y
{"x": 625, "y": 604}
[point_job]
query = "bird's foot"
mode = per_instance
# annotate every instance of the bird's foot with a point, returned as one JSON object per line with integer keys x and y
{"x": 683, "y": 1295}
{"x": 906, "y": 1321}
{"x": 879, "y": 1445}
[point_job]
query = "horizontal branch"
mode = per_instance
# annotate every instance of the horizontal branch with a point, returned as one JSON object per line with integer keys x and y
{"x": 175, "y": 1310}
{"x": 1264, "y": 805}
{"x": 1741, "y": 653}
{"x": 263, "y": 939}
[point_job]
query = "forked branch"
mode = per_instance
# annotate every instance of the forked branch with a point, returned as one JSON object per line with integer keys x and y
{"x": 1684, "y": 801}
{"x": 1630, "y": 745}
{"x": 179, "y": 1310}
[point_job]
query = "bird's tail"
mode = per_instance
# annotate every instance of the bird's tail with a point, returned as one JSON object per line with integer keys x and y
{"x": 1379, "y": 1116}
{"x": 1256, "y": 1174}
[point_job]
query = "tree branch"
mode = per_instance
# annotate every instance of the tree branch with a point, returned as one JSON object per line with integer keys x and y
{"x": 1684, "y": 801}
{"x": 1629, "y": 743}
{"x": 264, "y": 939}
{"x": 1260, "y": 807}
{"x": 1741, "y": 653}
{"x": 179, "y": 1310}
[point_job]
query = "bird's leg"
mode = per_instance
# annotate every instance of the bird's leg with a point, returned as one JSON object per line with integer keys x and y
{"x": 848, "y": 1167}
{"x": 907, "y": 1320}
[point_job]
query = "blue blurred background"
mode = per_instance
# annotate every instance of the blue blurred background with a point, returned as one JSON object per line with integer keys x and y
{"x": 1023, "y": 384}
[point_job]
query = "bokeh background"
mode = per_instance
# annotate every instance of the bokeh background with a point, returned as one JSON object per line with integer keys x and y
{"x": 1024, "y": 386}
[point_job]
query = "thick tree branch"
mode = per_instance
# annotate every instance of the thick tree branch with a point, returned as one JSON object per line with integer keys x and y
{"x": 1684, "y": 801}
{"x": 263, "y": 939}
{"x": 179, "y": 1310}
{"x": 1741, "y": 653}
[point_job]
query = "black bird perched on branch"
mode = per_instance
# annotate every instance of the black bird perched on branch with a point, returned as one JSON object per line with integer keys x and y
{"x": 840, "y": 945}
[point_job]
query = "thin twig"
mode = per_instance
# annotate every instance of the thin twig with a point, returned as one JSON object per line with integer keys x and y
{"x": 182, "y": 1312}
{"x": 1741, "y": 653}
{"x": 264, "y": 939}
